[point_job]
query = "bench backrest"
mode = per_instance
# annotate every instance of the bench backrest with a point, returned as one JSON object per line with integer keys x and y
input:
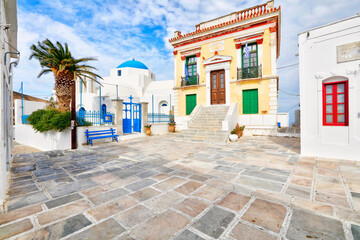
{"x": 100, "y": 132}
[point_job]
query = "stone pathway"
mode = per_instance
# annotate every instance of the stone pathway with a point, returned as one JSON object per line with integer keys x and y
{"x": 156, "y": 188}
{"x": 22, "y": 149}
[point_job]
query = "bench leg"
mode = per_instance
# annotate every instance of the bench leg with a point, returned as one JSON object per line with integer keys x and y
{"x": 91, "y": 142}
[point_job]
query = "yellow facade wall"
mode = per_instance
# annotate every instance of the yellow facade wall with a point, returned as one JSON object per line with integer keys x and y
{"x": 235, "y": 88}
{"x": 200, "y": 98}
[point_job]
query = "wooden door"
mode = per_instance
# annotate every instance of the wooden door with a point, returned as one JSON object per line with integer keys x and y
{"x": 217, "y": 87}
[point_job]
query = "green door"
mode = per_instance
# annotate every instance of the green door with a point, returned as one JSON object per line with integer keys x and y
{"x": 250, "y": 101}
{"x": 190, "y": 103}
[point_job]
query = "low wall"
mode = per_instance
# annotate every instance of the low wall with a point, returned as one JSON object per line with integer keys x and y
{"x": 159, "y": 128}
{"x": 52, "y": 140}
{"x": 260, "y": 131}
{"x": 283, "y": 119}
{"x": 46, "y": 141}
{"x": 81, "y": 138}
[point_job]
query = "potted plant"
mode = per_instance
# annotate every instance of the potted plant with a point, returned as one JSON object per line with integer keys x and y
{"x": 239, "y": 130}
{"x": 148, "y": 129}
{"x": 233, "y": 136}
{"x": 172, "y": 125}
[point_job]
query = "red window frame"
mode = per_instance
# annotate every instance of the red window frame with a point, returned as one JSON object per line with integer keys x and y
{"x": 335, "y": 103}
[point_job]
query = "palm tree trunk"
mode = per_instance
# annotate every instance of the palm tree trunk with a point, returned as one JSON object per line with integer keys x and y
{"x": 63, "y": 83}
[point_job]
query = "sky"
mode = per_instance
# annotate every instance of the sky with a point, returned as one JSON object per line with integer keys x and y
{"x": 115, "y": 31}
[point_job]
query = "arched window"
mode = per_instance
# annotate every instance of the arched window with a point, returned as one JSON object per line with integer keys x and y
{"x": 163, "y": 107}
{"x": 82, "y": 110}
{"x": 103, "y": 109}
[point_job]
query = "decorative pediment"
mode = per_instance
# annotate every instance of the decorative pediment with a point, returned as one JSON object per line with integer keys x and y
{"x": 217, "y": 59}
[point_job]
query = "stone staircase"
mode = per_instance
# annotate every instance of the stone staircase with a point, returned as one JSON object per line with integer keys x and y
{"x": 206, "y": 126}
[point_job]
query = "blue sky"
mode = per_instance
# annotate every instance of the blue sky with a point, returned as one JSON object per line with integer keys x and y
{"x": 118, "y": 30}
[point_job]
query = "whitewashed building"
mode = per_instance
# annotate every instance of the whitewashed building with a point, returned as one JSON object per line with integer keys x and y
{"x": 129, "y": 78}
{"x": 330, "y": 90}
{"x": 8, "y": 45}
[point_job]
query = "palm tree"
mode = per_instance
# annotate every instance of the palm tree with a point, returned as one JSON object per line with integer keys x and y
{"x": 66, "y": 69}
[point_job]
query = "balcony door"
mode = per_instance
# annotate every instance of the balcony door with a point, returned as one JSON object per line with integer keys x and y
{"x": 218, "y": 87}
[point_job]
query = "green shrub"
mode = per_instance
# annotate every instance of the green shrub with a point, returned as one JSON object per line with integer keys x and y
{"x": 50, "y": 119}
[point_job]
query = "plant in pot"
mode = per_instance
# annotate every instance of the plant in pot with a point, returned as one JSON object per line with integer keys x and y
{"x": 239, "y": 130}
{"x": 172, "y": 125}
{"x": 233, "y": 136}
{"x": 148, "y": 129}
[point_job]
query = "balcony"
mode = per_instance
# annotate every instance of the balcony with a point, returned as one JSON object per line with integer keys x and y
{"x": 249, "y": 72}
{"x": 190, "y": 81}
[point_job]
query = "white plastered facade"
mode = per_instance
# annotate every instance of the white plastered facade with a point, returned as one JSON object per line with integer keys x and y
{"x": 319, "y": 64}
{"x": 139, "y": 83}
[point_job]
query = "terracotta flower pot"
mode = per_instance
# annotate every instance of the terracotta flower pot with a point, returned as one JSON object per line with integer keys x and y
{"x": 148, "y": 131}
{"x": 240, "y": 133}
{"x": 171, "y": 128}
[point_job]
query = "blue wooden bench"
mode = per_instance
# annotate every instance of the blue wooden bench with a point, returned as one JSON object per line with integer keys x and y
{"x": 91, "y": 135}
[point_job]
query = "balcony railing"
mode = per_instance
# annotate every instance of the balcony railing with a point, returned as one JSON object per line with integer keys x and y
{"x": 190, "y": 81}
{"x": 249, "y": 72}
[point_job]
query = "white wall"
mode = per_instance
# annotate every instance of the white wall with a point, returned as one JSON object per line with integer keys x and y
{"x": 318, "y": 63}
{"x": 8, "y": 16}
{"x": 159, "y": 128}
{"x": 265, "y": 120}
{"x": 46, "y": 141}
{"x": 29, "y": 107}
{"x": 140, "y": 83}
{"x": 283, "y": 119}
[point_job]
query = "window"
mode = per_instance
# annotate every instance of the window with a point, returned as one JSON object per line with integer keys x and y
{"x": 250, "y": 64}
{"x": 103, "y": 110}
{"x": 119, "y": 73}
{"x": 191, "y": 65}
{"x": 335, "y": 103}
{"x": 250, "y": 101}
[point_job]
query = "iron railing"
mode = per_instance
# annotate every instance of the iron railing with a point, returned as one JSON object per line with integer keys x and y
{"x": 190, "y": 81}
{"x": 249, "y": 72}
{"x": 159, "y": 118}
{"x": 87, "y": 118}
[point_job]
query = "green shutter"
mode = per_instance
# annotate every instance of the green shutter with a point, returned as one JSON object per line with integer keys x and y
{"x": 190, "y": 103}
{"x": 250, "y": 101}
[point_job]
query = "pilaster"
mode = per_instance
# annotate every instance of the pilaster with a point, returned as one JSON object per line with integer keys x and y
{"x": 117, "y": 109}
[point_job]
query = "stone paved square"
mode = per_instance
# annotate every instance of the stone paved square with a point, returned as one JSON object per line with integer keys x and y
{"x": 161, "y": 188}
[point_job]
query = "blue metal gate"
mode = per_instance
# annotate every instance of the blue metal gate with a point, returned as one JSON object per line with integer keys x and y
{"x": 137, "y": 117}
{"x": 131, "y": 116}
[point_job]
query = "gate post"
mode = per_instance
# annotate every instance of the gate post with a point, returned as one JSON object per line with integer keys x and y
{"x": 144, "y": 114}
{"x": 117, "y": 109}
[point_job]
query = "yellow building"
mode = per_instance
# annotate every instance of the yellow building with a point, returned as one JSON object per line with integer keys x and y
{"x": 230, "y": 61}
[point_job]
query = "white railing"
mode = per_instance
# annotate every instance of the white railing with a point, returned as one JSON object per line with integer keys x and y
{"x": 231, "y": 118}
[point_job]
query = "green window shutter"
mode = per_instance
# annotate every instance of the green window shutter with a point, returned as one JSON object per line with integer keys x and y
{"x": 250, "y": 101}
{"x": 190, "y": 103}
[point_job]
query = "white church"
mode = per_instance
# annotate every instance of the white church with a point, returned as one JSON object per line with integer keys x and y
{"x": 129, "y": 78}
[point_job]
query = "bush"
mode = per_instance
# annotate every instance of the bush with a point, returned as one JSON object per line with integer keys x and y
{"x": 50, "y": 119}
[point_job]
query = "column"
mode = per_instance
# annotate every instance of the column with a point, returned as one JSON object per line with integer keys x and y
{"x": 117, "y": 109}
{"x": 144, "y": 114}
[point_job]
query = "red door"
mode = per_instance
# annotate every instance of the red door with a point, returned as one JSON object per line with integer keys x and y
{"x": 217, "y": 87}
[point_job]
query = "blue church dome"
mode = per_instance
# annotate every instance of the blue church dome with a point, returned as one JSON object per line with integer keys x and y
{"x": 133, "y": 64}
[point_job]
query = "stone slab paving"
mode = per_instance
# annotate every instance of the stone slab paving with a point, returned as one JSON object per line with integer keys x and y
{"x": 160, "y": 188}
